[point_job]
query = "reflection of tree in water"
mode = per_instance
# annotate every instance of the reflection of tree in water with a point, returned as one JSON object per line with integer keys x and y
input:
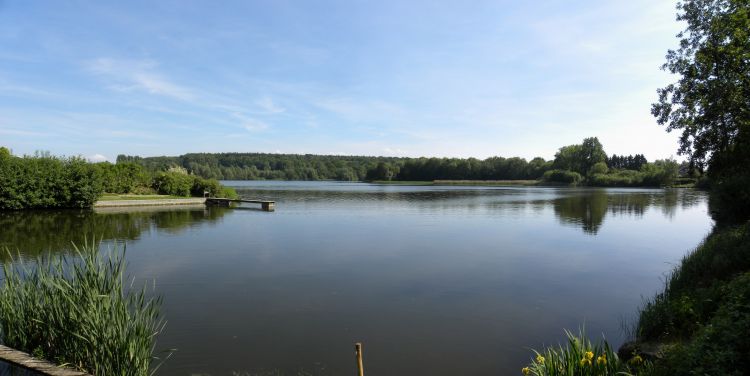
{"x": 34, "y": 232}
{"x": 588, "y": 208}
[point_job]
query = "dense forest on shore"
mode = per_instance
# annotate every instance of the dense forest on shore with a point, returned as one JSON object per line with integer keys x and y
{"x": 585, "y": 163}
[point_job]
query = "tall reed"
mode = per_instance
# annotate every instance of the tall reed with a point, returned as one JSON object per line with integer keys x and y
{"x": 78, "y": 311}
{"x": 580, "y": 357}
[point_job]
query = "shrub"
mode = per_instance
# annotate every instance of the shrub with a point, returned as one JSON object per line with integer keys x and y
{"x": 43, "y": 181}
{"x": 173, "y": 183}
{"x": 562, "y": 176}
{"x": 79, "y": 312}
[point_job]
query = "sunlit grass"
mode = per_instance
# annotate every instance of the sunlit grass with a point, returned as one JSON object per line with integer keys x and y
{"x": 78, "y": 311}
{"x": 579, "y": 357}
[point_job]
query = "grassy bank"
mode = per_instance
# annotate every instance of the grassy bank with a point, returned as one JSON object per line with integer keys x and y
{"x": 698, "y": 325}
{"x": 116, "y": 197}
{"x": 702, "y": 318}
{"x": 487, "y": 182}
{"x": 79, "y": 312}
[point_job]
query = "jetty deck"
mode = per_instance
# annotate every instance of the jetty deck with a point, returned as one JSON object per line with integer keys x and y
{"x": 264, "y": 204}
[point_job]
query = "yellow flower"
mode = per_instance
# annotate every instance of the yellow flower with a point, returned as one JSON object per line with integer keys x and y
{"x": 585, "y": 361}
{"x": 601, "y": 360}
{"x": 589, "y": 355}
{"x": 525, "y": 370}
{"x": 539, "y": 358}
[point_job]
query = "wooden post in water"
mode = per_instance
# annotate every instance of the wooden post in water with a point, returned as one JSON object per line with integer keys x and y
{"x": 358, "y": 354}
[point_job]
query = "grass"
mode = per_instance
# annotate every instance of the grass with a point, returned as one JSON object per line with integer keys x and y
{"x": 459, "y": 182}
{"x": 119, "y": 197}
{"x": 487, "y": 182}
{"x": 581, "y": 357}
{"x": 703, "y": 312}
{"x": 400, "y": 182}
{"x": 79, "y": 312}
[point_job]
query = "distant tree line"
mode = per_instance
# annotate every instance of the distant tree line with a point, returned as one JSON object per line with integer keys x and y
{"x": 584, "y": 163}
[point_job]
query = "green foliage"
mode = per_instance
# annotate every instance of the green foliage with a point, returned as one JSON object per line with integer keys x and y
{"x": 579, "y": 357}
{"x": 704, "y": 308}
{"x": 126, "y": 177}
{"x": 599, "y": 168}
{"x": 617, "y": 178}
{"x": 580, "y": 158}
{"x": 562, "y": 176}
{"x": 43, "y": 181}
{"x": 709, "y": 102}
{"x": 630, "y": 162}
{"x": 212, "y": 187}
{"x": 660, "y": 173}
{"x": 657, "y": 174}
{"x": 80, "y": 313}
{"x": 720, "y": 347}
{"x": 173, "y": 183}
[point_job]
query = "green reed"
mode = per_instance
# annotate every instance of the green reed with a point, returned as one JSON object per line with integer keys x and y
{"x": 581, "y": 357}
{"x": 78, "y": 311}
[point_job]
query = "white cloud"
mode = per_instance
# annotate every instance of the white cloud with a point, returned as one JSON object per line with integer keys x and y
{"x": 253, "y": 125}
{"x": 127, "y": 75}
{"x": 268, "y": 105}
{"x": 96, "y": 158}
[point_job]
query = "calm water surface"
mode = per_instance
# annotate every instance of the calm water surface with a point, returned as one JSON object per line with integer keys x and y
{"x": 433, "y": 280}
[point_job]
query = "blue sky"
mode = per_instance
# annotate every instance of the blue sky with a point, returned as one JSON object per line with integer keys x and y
{"x": 397, "y": 78}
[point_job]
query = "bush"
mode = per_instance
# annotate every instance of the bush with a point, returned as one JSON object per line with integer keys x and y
{"x": 617, "y": 178}
{"x": 173, "y": 183}
{"x": 78, "y": 312}
{"x": 43, "y": 181}
{"x": 729, "y": 198}
{"x": 562, "y": 176}
{"x": 126, "y": 177}
{"x": 695, "y": 290}
{"x": 721, "y": 346}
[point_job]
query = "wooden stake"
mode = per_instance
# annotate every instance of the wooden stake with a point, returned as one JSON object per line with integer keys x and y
{"x": 358, "y": 354}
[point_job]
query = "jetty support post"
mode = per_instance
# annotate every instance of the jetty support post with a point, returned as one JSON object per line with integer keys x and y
{"x": 358, "y": 354}
{"x": 267, "y": 205}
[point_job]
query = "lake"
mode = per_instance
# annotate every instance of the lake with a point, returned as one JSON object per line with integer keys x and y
{"x": 433, "y": 280}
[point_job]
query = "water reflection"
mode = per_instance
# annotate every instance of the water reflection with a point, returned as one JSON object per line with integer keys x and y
{"x": 34, "y": 232}
{"x": 434, "y": 280}
{"x": 588, "y": 208}
{"x": 580, "y": 207}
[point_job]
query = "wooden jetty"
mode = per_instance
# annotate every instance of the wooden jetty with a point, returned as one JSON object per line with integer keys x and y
{"x": 42, "y": 367}
{"x": 264, "y": 204}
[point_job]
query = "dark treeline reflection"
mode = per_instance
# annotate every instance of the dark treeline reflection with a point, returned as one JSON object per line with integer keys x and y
{"x": 582, "y": 207}
{"x": 588, "y": 208}
{"x": 35, "y": 232}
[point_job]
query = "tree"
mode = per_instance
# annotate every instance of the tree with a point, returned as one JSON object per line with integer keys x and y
{"x": 710, "y": 102}
{"x": 580, "y": 158}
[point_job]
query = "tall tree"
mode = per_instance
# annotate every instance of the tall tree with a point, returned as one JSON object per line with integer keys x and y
{"x": 710, "y": 102}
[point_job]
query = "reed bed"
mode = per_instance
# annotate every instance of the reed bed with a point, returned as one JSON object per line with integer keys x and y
{"x": 581, "y": 357}
{"x": 80, "y": 312}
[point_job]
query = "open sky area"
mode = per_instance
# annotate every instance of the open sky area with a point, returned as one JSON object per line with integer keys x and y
{"x": 396, "y": 78}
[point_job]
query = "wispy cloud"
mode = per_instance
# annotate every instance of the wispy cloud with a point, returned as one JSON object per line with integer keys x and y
{"x": 269, "y": 106}
{"x": 96, "y": 158}
{"x": 128, "y": 75}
